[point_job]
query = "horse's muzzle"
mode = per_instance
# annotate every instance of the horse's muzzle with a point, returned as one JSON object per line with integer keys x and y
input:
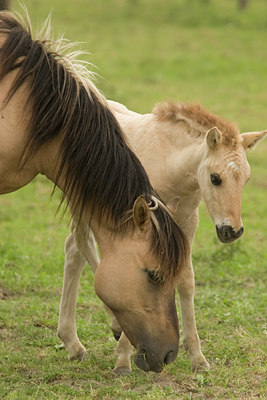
{"x": 151, "y": 360}
{"x": 227, "y": 234}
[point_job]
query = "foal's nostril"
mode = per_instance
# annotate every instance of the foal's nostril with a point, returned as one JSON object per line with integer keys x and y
{"x": 170, "y": 357}
{"x": 239, "y": 232}
{"x": 227, "y": 234}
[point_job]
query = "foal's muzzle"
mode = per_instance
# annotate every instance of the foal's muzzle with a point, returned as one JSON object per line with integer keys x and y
{"x": 227, "y": 234}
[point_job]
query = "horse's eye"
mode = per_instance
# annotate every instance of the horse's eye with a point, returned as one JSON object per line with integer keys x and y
{"x": 154, "y": 276}
{"x": 215, "y": 179}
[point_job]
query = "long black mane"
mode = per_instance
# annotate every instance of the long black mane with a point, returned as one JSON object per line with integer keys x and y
{"x": 99, "y": 169}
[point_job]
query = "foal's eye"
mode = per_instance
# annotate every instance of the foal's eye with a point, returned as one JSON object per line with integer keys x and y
{"x": 215, "y": 179}
{"x": 153, "y": 276}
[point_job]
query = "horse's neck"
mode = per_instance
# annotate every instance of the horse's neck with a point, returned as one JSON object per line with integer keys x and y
{"x": 47, "y": 162}
{"x": 169, "y": 154}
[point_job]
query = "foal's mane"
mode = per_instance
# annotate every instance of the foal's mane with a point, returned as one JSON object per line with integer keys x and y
{"x": 197, "y": 118}
{"x": 99, "y": 168}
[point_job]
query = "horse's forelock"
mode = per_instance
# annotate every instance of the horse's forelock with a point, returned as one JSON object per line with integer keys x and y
{"x": 168, "y": 239}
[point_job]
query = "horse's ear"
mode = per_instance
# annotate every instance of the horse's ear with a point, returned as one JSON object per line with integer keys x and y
{"x": 173, "y": 204}
{"x": 141, "y": 213}
{"x": 213, "y": 137}
{"x": 250, "y": 139}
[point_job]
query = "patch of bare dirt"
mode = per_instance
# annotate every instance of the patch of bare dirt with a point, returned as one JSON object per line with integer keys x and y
{"x": 4, "y": 293}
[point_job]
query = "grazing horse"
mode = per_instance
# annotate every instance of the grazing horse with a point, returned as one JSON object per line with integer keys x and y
{"x": 53, "y": 121}
{"x": 189, "y": 153}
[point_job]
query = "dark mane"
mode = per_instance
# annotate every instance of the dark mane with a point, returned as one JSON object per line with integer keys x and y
{"x": 195, "y": 114}
{"x": 99, "y": 168}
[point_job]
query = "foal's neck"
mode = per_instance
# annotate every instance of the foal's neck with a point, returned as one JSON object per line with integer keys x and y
{"x": 169, "y": 154}
{"x": 184, "y": 158}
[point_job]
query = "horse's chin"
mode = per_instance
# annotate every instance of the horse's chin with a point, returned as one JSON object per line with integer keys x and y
{"x": 149, "y": 360}
{"x": 141, "y": 362}
{"x": 140, "y": 359}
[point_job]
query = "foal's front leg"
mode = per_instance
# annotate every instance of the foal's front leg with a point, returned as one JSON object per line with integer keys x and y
{"x": 186, "y": 285}
{"x": 186, "y": 288}
{"x": 67, "y": 332}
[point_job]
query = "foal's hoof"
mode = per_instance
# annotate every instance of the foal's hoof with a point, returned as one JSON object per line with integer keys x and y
{"x": 120, "y": 371}
{"x": 116, "y": 334}
{"x": 79, "y": 356}
{"x": 200, "y": 365}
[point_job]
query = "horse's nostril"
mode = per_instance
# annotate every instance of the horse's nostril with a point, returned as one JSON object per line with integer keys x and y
{"x": 170, "y": 357}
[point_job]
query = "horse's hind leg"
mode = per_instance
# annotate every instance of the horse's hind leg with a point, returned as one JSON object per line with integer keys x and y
{"x": 74, "y": 264}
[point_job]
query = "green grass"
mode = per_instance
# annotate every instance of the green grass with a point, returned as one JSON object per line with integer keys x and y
{"x": 146, "y": 52}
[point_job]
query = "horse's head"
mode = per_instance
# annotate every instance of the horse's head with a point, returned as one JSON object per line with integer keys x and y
{"x": 222, "y": 175}
{"x": 132, "y": 280}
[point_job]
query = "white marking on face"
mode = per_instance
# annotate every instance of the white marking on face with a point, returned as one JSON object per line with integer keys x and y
{"x": 233, "y": 165}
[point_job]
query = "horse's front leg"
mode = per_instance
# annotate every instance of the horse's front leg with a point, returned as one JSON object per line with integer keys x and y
{"x": 74, "y": 264}
{"x": 186, "y": 288}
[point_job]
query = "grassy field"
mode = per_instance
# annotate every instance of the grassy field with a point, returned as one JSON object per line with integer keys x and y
{"x": 146, "y": 51}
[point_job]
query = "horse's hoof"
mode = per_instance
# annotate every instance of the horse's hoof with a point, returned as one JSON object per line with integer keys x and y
{"x": 120, "y": 371}
{"x": 79, "y": 356}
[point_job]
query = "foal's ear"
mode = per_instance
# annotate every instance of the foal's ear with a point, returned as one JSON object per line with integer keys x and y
{"x": 213, "y": 137}
{"x": 250, "y": 139}
{"x": 141, "y": 213}
{"x": 173, "y": 204}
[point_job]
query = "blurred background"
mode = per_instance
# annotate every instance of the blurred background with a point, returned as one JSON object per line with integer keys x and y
{"x": 146, "y": 51}
{"x": 211, "y": 51}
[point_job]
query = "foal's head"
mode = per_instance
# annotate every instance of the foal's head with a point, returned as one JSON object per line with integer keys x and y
{"x": 136, "y": 280}
{"x": 222, "y": 175}
{"x": 221, "y": 165}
